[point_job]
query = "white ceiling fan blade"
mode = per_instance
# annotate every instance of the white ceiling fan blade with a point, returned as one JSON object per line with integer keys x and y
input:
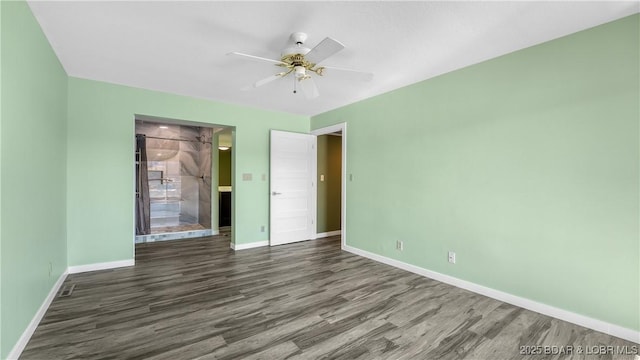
{"x": 258, "y": 58}
{"x": 351, "y": 73}
{"x": 268, "y": 80}
{"x": 309, "y": 88}
{"x": 323, "y": 50}
{"x": 263, "y": 81}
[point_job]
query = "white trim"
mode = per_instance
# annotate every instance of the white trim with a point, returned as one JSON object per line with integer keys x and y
{"x": 328, "y": 130}
{"x": 249, "y": 245}
{"x": 313, "y": 229}
{"x": 100, "y": 266}
{"x": 328, "y": 233}
{"x": 591, "y": 323}
{"x": 31, "y": 328}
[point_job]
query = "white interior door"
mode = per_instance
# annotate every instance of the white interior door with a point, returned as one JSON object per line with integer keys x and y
{"x": 292, "y": 190}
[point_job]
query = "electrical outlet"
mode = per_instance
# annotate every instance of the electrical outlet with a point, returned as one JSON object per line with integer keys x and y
{"x": 399, "y": 245}
{"x": 452, "y": 257}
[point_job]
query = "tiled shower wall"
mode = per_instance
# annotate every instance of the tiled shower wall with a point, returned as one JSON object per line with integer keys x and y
{"x": 204, "y": 193}
{"x": 189, "y": 155}
{"x": 185, "y": 198}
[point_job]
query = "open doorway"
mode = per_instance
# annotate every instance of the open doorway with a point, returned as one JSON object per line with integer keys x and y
{"x": 331, "y": 180}
{"x": 177, "y": 174}
{"x": 329, "y": 173}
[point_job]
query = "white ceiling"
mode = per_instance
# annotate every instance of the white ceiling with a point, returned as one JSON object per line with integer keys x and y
{"x": 180, "y": 47}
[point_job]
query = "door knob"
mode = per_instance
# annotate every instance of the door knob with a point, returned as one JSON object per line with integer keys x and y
{"x": 274, "y": 193}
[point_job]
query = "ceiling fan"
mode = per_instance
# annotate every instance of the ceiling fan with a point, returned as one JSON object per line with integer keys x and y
{"x": 302, "y": 62}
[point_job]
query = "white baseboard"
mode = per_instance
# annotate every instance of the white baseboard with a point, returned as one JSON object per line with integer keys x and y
{"x": 28, "y": 332}
{"x": 591, "y": 323}
{"x": 328, "y": 233}
{"x": 249, "y": 245}
{"x": 100, "y": 266}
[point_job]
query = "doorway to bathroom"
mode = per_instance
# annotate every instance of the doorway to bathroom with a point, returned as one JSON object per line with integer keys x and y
{"x": 177, "y": 193}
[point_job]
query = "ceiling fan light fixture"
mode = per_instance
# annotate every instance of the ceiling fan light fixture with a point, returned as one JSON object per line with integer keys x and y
{"x": 300, "y": 72}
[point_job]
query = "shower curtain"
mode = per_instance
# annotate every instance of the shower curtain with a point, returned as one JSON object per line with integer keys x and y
{"x": 143, "y": 205}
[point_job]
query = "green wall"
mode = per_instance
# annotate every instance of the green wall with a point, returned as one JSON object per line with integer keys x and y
{"x": 101, "y": 171}
{"x": 33, "y": 175}
{"x": 525, "y": 165}
{"x": 1, "y": 31}
{"x": 329, "y": 191}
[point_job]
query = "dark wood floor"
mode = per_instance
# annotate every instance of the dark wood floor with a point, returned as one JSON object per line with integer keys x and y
{"x": 199, "y": 299}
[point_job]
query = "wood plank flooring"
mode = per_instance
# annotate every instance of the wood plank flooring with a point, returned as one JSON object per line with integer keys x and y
{"x": 198, "y": 299}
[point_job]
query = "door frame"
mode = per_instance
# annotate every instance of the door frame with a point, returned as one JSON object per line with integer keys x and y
{"x": 343, "y": 196}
